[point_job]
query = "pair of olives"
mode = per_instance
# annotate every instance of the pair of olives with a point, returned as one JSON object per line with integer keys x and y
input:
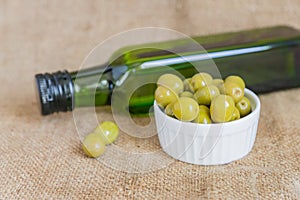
{"x": 202, "y": 99}
{"x": 94, "y": 143}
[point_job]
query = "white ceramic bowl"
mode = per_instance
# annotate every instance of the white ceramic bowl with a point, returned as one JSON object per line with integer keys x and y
{"x": 208, "y": 144}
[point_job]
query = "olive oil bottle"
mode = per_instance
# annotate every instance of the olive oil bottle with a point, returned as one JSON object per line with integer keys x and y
{"x": 268, "y": 59}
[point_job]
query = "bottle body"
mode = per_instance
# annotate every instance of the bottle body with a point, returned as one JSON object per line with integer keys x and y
{"x": 267, "y": 59}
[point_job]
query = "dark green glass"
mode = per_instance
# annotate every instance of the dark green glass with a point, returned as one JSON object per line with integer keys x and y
{"x": 267, "y": 59}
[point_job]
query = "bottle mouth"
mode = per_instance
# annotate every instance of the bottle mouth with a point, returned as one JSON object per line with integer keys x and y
{"x": 55, "y": 92}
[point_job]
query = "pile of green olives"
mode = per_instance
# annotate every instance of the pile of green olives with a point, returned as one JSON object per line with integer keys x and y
{"x": 94, "y": 143}
{"x": 202, "y": 99}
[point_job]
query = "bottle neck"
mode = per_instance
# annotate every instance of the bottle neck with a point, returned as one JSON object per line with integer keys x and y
{"x": 92, "y": 86}
{"x": 63, "y": 91}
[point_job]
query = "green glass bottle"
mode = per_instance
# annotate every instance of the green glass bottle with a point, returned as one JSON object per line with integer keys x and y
{"x": 268, "y": 59}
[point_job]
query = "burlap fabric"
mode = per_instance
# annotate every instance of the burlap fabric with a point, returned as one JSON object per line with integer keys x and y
{"x": 40, "y": 157}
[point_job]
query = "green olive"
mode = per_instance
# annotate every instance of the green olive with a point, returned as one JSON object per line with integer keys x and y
{"x": 108, "y": 130}
{"x": 168, "y": 109}
{"x": 171, "y": 82}
{"x": 185, "y": 109}
{"x": 221, "y": 88}
{"x": 236, "y": 79}
{"x": 188, "y": 85}
{"x": 234, "y": 90}
{"x": 221, "y": 108}
{"x": 235, "y": 114}
{"x": 217, "y": 81}
{"x": 186, "y": 94}
{"x": 93, "y": 145}
{"x": 205, "y": 94}
{"x": 203, "y": 116}
{"x": 164, "y": 96}
{"x": 244, "y": 106}
{"x": 200, "y": 80}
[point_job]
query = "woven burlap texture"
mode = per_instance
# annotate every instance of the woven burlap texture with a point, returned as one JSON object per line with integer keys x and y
{"x": 41, "y": 157}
